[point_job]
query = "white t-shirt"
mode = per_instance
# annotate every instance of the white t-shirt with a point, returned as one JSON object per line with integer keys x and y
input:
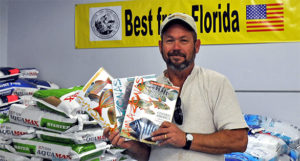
{"x": 209, "y": 104}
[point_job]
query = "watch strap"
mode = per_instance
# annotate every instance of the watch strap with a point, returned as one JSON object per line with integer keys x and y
{"x": 188, "y": 143}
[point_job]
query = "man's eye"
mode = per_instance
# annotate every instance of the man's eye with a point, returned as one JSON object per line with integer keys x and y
{"x": 184, "y": 40}
{"x": 170, "y": 40}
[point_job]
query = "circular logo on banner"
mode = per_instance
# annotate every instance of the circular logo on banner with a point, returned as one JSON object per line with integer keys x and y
{"x": 105, "y": 23}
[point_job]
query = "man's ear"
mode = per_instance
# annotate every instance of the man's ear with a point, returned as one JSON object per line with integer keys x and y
{"x": 197, "y": 45}
{"x": 160, "y": 45}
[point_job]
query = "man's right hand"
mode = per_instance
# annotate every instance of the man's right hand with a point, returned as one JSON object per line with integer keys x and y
{"x": 135, "y": 149}
{"x": 117, "y": 140}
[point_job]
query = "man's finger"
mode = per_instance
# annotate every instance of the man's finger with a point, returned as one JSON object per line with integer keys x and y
{"x": 120, "y": 142}
{"x": 166, "y": 124}
{"x": 115, "y": 140}
{"x": 166, "y": 141}
{"x": 159, "y": 137}
{"x": 113, "y": 134}
{"x": 106, "y": 132}
{"x": 160, "y": 131}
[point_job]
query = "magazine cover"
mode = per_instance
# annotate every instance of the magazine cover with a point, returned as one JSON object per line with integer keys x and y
{"x": 121, "y": 92}
{"x": 150, "y": 104}
{"x": 96, "y": 98}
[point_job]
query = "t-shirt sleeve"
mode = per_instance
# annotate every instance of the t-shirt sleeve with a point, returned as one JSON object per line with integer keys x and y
{"x": 227, "y": 112}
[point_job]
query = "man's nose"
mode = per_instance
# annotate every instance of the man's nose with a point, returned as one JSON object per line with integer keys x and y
{"x": 177, "y": 45}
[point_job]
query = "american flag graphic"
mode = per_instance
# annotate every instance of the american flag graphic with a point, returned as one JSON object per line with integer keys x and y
{"x": 265, "y": 17}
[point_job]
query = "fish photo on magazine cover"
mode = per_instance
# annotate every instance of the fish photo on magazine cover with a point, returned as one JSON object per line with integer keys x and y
{"x": 96, "y": 98}
{"x": 106, "y": 101}
{"x": 142, "y": 128}
{"x": 145, "y": 105}
{"x": 95, "y": 88}
{"x": 149, "y": 88}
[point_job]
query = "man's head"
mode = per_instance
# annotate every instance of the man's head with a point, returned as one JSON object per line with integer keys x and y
{"x": 179, "y": 43}
{"x": 179, "y": 18}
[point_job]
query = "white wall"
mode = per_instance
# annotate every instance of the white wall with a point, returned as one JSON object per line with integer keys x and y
{"x": 3, "y": 32}
{"x": 41, "y": 35}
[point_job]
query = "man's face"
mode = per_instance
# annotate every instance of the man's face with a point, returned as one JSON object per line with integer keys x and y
{"x": 178, "y": 47}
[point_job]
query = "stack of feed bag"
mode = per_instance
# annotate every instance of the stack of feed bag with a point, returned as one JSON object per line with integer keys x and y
{"x": 269, "y": 139}
{"x": 17, "y": 85}
{"x": 51, "y": 126}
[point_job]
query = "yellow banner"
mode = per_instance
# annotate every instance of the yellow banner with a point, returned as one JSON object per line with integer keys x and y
{"x": 136, "y": 23}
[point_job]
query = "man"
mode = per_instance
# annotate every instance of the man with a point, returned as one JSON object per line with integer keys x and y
{"x": 212, "y": 122}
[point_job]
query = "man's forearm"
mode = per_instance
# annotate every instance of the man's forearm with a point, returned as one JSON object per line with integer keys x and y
{"x": 139, "y": 151}
{"x": 222, "y": 142}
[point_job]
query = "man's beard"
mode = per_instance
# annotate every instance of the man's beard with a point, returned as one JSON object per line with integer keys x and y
{"x": 181, "y": 66}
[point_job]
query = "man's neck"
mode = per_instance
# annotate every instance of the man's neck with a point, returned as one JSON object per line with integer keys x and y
{"x": 178, "y": 77}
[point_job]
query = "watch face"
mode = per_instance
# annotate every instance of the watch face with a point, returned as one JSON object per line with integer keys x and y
{"x": 189, "y": 137}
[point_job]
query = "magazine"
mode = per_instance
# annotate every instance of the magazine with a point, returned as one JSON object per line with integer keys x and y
{"x": 96, "y": 98}
{"x": 150, "y": 104}
{"x": 121, "y": 92}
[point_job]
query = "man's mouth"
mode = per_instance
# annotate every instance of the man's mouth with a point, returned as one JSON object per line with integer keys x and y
{"x": 176, "y": 57}
{"x": 176, "y": 54}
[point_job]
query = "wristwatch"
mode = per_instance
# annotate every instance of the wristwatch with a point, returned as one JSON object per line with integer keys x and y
{"x": 189, "y": 138}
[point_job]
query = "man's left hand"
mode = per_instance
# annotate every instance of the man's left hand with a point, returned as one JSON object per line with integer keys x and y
{"x": 169, "y": 133}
